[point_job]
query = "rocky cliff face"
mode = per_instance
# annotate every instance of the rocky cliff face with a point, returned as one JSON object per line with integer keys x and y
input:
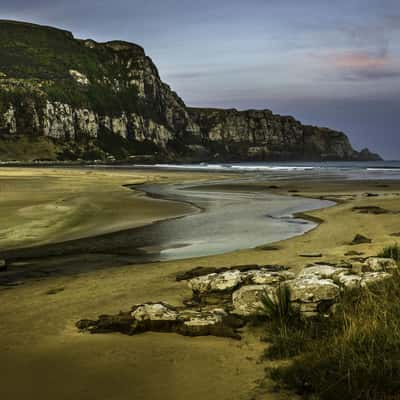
{"x": 262, "y": 135}
{"x": 106, "y": 101}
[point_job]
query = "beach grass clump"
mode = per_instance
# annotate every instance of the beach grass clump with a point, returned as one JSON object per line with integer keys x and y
{"x": 278, "y": 307}
{"x": 284, "y": 335}
{"x": 353, "y": 355}
{"x": 392, "y": 251}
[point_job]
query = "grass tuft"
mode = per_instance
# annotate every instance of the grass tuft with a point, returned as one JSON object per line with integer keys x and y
{"x": 353, "y": 355}
{"x": 392, "y": 251}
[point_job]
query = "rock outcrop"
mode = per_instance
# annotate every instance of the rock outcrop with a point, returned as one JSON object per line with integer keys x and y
{"x": 106, "y": 101}
{"x": 223, "y": 301}
{"x": 261, "y": 135}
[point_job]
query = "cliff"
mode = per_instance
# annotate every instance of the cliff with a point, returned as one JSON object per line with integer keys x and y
{"x": 63, "y": 98}
{"x": 262, "y": 135}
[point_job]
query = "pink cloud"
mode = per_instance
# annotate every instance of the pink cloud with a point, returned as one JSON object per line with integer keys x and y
{"x": 361, "y": 61}
{"x": 364, "y": 65}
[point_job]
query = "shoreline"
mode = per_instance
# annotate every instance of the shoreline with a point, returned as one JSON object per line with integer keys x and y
{"x": 117, "y": 366}
{"x": 117, "y": 242}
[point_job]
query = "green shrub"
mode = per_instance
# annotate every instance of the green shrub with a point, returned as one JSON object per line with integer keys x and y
{"x": 392, "y": 251}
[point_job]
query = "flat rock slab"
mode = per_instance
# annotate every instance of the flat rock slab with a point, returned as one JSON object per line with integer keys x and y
{"x": 162, "y": 317}
{"x": 371, "y": 210}
{"x": 311, "y": 255}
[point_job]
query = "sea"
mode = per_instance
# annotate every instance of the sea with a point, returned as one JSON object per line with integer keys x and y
{"x": 355, "y": 170}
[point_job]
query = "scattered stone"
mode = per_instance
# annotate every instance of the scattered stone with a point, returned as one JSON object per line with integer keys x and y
{"x": 354, "y": 253}
{"x": 268, "y": 248}
{"x": 371, "y": 194}
{"x": 293, "y": 191}
{"x": 360, "y": 239}
{"x": 376, "y": 210}
{"x": 55, "y": 291}
{"x": 310, "y": 255}
{"x": 378, "y": 264}
{"x": 10, "y": 284}
{"x": 248, "y": 267}
{"x": 273, "y": 187}
{"x": 395, "y": 234}
{"x": 198, "y": 271}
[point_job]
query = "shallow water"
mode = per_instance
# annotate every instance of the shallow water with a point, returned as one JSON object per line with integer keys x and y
{"x": 222, "y": 221}
{"x": 226, "y": 221}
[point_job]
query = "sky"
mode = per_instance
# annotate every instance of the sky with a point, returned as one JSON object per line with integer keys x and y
{"x": 329, "y": 63}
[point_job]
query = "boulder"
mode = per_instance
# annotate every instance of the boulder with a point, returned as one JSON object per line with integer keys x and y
{"x": 348, "y": 281}
{"x": 3, "y": 265}
{"x": 312, "y": 289}
{"x": 247, "y": 300}
{"x": 225, "y": 281}
{"x": 322, "y": 271}
{"x": 203, "y": 323}
{"x": 374, "y": 278}
{"x": 266, "y": 277}
{"x": 377, "y": 264}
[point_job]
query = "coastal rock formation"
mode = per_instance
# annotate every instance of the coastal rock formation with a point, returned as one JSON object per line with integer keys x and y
{"x": 162, "y": 317}
{"x": 237, "y": 297}
{"x": 261, "y": 135}
{"x": 79, "y": 99}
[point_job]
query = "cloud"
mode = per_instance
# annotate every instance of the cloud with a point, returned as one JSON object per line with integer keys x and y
{"x": 360, "y": 61}
{"x": 358, "y": 65}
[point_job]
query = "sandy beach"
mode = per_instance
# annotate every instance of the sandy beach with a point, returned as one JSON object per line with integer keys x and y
{"x": 42, "y": 355}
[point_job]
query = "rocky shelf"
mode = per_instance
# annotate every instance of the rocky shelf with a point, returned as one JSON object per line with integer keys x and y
{"x": 223, "y": 301}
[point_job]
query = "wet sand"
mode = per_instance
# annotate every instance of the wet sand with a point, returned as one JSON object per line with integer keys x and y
{"x": 43, "y": 356}
{"x": 218, "y": 221}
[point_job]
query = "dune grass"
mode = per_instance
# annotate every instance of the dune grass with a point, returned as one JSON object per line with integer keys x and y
{"x": 392, "y": 251}
{"x": 353, "y": 355}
